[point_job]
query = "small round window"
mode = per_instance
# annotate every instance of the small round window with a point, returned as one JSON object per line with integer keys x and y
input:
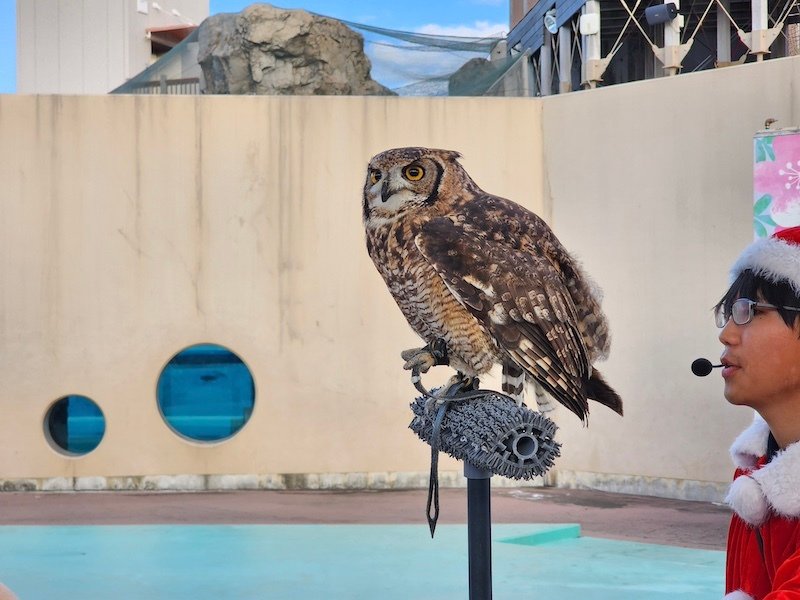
{"x": 74, "y": 425}
{"x": 206, "y": 393}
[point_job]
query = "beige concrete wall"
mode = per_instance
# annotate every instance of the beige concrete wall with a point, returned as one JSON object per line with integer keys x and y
{"x": 651, "y": 184}
{"x": 133, "y": 227}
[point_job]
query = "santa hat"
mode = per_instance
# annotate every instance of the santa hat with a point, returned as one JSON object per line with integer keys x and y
{"x": 776, "y": 258}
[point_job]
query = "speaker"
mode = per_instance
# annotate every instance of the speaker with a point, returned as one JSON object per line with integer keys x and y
{"x": 660, "y": 13}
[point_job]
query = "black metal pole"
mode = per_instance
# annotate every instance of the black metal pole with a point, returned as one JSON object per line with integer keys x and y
{"x": 479, "y": 532}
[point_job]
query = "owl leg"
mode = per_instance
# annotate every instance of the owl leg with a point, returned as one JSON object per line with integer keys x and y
{"x": 513, "y": 382}
{"x": 426, "y": 357}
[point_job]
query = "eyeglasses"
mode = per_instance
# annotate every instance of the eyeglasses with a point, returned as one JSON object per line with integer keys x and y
{"x": 742, "y": 311}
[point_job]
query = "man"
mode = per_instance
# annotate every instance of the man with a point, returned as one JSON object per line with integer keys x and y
{"x": 760, "y": 321}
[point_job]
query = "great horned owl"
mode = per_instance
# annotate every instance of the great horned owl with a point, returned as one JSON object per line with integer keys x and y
{"x": 486, "y": 276}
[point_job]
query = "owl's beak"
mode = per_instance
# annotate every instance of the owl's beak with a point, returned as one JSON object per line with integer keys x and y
{"x": 385, "y": 189}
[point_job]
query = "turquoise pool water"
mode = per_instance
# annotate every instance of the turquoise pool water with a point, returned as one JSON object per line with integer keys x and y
{"x": 335, "y": 562}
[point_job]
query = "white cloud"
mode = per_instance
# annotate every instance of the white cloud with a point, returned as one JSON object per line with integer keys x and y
{"x": 479, "y": 29}
{"x": 365, "y": 19}
{"x": 395, "y": 66}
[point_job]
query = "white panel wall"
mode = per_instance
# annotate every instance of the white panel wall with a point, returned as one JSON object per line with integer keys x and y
{"x": 89, "y": 46}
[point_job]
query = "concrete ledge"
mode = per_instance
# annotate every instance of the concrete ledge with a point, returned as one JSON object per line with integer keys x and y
{"x": 679, "y": 489}
{"x": 661, "y": 487}
{"x": 284, "y": 481}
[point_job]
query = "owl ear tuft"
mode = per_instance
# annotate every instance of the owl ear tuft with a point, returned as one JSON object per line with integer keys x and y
{"x": 449, "y": 155}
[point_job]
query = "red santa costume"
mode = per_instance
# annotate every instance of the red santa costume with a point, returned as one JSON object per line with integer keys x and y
{"x": 763, "y": 560}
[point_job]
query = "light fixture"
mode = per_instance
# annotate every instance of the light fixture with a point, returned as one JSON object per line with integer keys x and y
{"x": 550, "y": 21}
{"x": 660, "y": 13}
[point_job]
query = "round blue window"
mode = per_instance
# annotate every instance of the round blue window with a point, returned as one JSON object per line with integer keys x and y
{"x": 206, "y": 393}
{"x": 75, "y": 425}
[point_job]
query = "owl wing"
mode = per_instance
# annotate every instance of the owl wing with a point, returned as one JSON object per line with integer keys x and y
{"x": 518, "y": 296}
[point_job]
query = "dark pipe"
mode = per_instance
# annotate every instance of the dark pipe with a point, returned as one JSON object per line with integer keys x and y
{"x": 479, "y": 532}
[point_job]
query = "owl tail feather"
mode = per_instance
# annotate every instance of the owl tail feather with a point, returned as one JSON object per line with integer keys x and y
{"x": 599, "y": 391}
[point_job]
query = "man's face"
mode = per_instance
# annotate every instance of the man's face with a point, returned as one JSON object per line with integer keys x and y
{"x": 762, "y": 363}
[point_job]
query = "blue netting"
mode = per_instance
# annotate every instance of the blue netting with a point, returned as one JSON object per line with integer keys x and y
{"x": 408, "y": 63}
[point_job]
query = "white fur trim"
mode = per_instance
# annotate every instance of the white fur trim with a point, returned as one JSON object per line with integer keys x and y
{"x": 751, "y": 444}
{"x": 738, "y": 595}
{"x": 747, "y": 500}
{"x": 776, "y": 485}
{"x": 780, "y": 481}
{"x": 773, "y": 259}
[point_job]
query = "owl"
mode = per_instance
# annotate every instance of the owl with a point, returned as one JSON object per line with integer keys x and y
{"x": 485, "y": 276}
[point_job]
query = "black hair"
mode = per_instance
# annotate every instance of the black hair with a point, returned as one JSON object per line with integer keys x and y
{"x": 759, "y": 288}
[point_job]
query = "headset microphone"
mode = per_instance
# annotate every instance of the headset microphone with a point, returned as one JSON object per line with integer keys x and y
{"x": 702, "y": 367}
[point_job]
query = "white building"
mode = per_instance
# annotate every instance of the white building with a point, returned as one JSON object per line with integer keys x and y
{"x": 93, "y": 46}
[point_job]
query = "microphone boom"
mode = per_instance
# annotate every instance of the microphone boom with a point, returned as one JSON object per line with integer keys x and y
{"x": 702, "y": 367}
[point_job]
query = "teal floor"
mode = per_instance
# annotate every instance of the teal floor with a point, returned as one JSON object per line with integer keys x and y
{"x": 335, "y": 562}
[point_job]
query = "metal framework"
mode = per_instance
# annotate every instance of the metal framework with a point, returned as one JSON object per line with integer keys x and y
{"x": 603, "y": 42}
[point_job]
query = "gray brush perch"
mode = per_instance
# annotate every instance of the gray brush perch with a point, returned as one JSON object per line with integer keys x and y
{"x": 491, "y": 435}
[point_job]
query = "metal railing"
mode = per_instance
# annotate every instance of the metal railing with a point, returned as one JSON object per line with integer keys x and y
{"x": 187, "y": 86}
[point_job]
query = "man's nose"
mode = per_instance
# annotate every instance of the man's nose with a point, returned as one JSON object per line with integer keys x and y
{"x": 730, "y": 333}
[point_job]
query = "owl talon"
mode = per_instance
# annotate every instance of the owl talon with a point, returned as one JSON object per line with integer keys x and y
{"x": 461, "y": 383}
{"x": 419, "y": 358}
{"x": 426, "y": 357}
{"x": 433, "y": 403}
{"x": 456, "y": 385}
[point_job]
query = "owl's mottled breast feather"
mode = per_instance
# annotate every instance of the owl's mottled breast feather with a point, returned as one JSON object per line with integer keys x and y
{"x": 425, "y": 300}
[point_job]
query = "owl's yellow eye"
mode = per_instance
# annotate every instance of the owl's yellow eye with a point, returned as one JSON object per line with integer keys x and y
{"x": 413, "y": 173}
{"x": 374, "y": 176}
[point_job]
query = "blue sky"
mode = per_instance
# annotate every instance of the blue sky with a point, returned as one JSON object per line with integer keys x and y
{"x": 443, "y": 17}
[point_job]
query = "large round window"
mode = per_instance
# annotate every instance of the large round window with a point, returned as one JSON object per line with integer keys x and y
{"x": 74, "y": 425}
{"x": 206, "y": 393}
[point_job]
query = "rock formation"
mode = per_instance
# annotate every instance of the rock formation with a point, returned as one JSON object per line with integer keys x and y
{"x": 268, "y": 50}
{"x": 472, "y": 78}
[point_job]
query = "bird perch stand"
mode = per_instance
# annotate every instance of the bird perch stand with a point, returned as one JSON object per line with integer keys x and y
{"x": 492, "y": 436}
